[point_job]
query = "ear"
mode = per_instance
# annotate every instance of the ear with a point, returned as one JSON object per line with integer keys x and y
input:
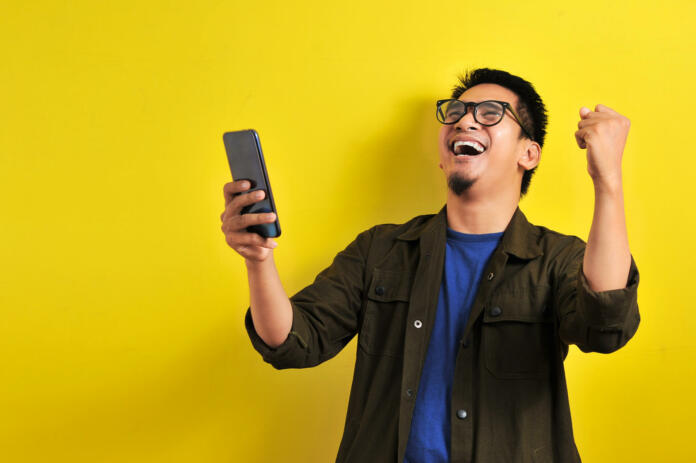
{"x": 531, "y": 156}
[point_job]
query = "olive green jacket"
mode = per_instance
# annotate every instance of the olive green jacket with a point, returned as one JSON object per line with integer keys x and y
{"x": 509, "y": 396}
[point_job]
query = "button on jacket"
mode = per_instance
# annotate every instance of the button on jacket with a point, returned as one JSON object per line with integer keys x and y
{"x": 509, "y": 399}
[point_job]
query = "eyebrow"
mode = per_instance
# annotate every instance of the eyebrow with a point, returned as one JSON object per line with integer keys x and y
{"x": 477, "y": 102}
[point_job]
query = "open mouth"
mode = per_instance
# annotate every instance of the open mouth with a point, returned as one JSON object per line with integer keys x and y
{"x": 467, "y": 148}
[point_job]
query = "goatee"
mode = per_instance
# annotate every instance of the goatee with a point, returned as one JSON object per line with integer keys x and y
{"x": 459, "y": 184}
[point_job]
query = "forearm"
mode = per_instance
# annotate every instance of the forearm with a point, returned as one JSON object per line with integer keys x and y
{"x": 607, "y": 258}
{"x": 270, "y": 306}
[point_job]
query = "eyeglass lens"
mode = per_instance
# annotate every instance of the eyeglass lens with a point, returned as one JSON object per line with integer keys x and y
{"x": 486, "y": 113}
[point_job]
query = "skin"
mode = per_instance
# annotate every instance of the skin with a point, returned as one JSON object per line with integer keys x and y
{"x": 271, "y": 310}
{"x": 489, "y": 203}
{"x": 603, "y": 134}
{"x": 485, "y": 206}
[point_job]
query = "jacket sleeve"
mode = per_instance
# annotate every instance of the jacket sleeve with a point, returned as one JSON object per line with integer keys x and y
{"x": 325, "y": 314}
{"x": 596, "y": 321}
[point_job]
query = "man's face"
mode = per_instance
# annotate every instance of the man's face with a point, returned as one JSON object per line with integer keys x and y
{"x": 496, "y": 169}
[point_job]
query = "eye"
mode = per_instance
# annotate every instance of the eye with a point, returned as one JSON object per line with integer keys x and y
{"x": 490, "y": 111}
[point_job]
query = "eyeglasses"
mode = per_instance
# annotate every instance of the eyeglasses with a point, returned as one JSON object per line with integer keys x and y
{"x": 486, "y": 113}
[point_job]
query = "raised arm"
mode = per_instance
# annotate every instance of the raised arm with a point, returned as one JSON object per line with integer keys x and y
{"x": 596, "y": 283}
{"x": 607, "y": 260}
{"x": 270, "y": 307}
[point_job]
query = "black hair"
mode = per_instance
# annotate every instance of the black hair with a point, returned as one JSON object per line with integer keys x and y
{"x": 530, "y": 108}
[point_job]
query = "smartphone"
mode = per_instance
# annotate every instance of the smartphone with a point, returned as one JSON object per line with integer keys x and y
{"x": 246, "y": 163}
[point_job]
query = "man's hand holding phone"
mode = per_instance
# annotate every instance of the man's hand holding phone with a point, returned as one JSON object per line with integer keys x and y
{"x": 249, "y": 245}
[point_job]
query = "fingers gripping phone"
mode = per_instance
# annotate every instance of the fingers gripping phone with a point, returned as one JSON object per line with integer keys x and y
{"x": 246, "y": 163}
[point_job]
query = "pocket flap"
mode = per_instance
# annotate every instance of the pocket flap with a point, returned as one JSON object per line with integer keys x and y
{"x": 390, "y": 285}
{"x": 531, "y": 307}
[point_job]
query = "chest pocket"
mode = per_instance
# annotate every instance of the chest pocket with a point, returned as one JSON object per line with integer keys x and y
{"x": 386, "y": 310}
{"x": 518, "y": 335}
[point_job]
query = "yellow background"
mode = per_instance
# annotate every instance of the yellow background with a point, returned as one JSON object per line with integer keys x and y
{"x": 121, "y": 329}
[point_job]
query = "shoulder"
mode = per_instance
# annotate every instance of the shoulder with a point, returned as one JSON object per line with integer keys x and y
{"x": 392, "y": 231}
{"x": 381, "y": 238}
{"x": 558, "y": 246}
{"x": 549, "y": 236}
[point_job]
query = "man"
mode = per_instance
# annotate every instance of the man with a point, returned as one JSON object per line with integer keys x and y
{"x": 463, "y": 317}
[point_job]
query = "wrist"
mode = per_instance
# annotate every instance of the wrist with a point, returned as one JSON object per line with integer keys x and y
{"x": 255, "y": 265}
{"x": 608, "y": 184}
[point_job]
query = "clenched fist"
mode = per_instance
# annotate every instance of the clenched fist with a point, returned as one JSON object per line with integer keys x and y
{"x": 249, "y": 245}
{"x": 603, "y": 133}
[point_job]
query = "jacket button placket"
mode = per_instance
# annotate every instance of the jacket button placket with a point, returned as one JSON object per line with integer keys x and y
{"x": 462, "y": 402}
{"x": 463, "y": 407}
{"x": 421, "y": 309}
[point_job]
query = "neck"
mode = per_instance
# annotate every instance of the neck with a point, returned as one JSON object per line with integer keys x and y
{"x": 475, "y": 214}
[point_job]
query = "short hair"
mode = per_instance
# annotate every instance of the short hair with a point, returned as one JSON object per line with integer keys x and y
{"x": 530, "y": 107}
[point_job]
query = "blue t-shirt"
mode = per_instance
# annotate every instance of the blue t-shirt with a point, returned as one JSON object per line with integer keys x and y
{"x": 465, "y": 258}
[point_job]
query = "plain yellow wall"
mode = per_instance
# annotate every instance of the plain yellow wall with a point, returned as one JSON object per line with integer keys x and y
{"x": 121, "y": 329}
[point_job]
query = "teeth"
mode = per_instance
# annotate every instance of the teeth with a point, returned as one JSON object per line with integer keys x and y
{"x": 477, "y": 146}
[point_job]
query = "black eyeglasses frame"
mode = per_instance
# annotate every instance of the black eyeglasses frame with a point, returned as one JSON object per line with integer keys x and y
{"x": 468, "y": 104}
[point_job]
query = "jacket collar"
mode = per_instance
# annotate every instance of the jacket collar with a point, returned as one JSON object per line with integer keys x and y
{"x": 519, "y": 237}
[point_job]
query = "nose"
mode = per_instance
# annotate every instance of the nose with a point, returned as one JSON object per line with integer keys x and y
{"x": 467, "y": 122}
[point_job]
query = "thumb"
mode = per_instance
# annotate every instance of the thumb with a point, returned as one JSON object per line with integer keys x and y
{"x": 584, "y": 112}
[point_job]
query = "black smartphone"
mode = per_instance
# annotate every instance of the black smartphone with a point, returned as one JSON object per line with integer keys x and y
{"x": 246, "y": 163}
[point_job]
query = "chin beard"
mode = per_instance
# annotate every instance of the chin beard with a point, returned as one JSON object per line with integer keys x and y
{"x": 459, "y": 184}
